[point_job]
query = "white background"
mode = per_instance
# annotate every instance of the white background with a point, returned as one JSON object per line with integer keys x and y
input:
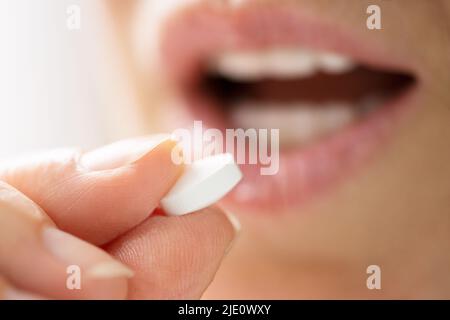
{"x": 47, "y": 89}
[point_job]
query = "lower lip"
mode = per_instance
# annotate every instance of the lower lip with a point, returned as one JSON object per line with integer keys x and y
{"x": 307, "y": 172}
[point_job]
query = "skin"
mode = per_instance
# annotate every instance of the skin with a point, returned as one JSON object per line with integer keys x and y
{"x": 393, "y": 213}
{"x": 87, "y": 195}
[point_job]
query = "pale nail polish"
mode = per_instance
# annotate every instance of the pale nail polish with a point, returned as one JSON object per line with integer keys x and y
{"x": 236, "y": 226}
{"x": 15, "y": 294}
{"x": 234, "y": 221}
{"x": 121, "y": 153}
{"x": 74, "y": 251}
{"x": 110, "y": 269}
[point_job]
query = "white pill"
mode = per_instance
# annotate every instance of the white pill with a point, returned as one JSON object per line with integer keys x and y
{"x": 203, "y": 183}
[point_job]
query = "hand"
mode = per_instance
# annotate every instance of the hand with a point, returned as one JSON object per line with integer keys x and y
{"x": 99, "y": 211}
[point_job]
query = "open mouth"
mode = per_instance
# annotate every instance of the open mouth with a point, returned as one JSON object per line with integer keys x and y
{"x": 332, "y": 96}
{"x": 307, "y": 95}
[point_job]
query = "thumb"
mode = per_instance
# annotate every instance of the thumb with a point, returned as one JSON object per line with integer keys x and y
{"x": 99, "y": 195}
{"x": 175, "y": 257}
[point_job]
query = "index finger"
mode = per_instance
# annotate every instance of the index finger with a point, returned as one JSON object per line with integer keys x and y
{"x": 98, "y": 204}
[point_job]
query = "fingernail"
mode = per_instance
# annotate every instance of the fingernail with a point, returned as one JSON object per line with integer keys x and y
{"x": 15, "y": 294}
{"x": 74, "y": 251}
{"x": 109, "y": 270}
{"x": 234, "y": 221}
{"x": 123, "y": 152}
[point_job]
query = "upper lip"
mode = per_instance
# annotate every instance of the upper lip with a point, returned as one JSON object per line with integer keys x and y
{"x": 194, "y": 32}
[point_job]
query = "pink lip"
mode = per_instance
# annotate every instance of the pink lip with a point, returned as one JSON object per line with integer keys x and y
{"x": 307, "y": 172}
{"x": 194, "y": 33}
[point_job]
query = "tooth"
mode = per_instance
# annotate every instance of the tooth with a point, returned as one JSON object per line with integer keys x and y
{"x": 282, "y": 63}
{"x": 298, "y": 123}
{"x": 291, "y": 63}
{"x": 309, "y": 122}
{"x": 275, "y": 63}
{"x": 334, "y": 116}
{"x": 334, "y": 63}
{"x": 239, "y": 65}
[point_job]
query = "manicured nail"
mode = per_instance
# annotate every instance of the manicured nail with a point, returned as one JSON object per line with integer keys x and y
{"x": 234, "y": 221}
{"x": 15, "y": 294}
{"x": 123, "y": 152}
{"x": 236, "y": 226}
{"x": 73, "y": 251}
{"x": 109, "y": 270}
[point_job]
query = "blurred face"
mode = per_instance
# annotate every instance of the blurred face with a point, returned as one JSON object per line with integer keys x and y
{"x": 363, "y": 117}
